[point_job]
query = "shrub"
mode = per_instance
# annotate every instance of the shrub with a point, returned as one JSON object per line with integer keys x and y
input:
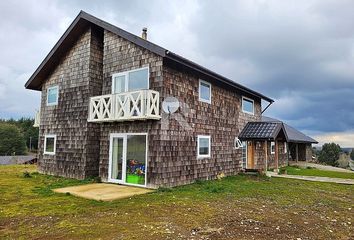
{"x": 329, "y": 154}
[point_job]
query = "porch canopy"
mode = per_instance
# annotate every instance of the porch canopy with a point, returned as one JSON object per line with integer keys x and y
{"x": 263, "y": 131}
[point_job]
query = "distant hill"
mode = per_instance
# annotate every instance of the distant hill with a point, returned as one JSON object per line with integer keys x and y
{"x": 343, "y": 149}
{"x": 347, "y": 149}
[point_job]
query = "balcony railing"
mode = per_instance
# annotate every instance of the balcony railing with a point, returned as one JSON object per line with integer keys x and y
{"x": 126, "y": 106}
{"x": 37, "y": 117}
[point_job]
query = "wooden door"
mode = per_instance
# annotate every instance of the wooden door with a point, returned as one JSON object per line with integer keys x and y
{"x": 250, "y": 155}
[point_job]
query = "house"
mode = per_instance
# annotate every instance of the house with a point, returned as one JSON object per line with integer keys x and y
{"x": 117, "y": 106}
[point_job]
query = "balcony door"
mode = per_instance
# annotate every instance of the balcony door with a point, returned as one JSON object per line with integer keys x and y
{"x": 127, "y": 159}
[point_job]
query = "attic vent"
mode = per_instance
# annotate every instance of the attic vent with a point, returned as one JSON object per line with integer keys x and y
{"x": 144, "y": 33}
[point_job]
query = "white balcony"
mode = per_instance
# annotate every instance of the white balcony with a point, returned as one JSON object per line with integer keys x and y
{"x": 126, "y": 106}
{"x": 37, "y": 119}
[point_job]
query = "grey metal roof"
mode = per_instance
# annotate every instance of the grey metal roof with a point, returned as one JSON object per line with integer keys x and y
{"x": 293, "y": 134}
{"x": 83, "y": 20}
{"x": 261, "y": 130}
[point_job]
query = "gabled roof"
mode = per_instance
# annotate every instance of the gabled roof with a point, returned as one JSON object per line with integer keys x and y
{"x": 261, "y": 131}
{"x": 293, "y": 134}
{"x": 84, "y": 19}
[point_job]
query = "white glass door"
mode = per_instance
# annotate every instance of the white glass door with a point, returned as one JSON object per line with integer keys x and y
{"x": 128, "y": 155}
{"x": 117, "y": 146}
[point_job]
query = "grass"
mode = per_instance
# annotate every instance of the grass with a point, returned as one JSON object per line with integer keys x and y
{"x": 238, "y": 207}
{"x": 293, "y": 170}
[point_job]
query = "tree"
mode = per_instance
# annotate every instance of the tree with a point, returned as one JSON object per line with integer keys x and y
{"x": 29, "y": 132}
{"x": 329, "y": 154}
{"x": 352, "y": 154}
{"x": 11, "y": 140}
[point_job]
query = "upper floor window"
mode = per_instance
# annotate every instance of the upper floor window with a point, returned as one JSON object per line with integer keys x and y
{"x": 132, "y": 80}
{"x": 203, "y": 146}
{"x": 50, "y": 142}
{"x": 52, "y": 95}
{"x": 247, "y": 105}
{"x": 204, "y": 91}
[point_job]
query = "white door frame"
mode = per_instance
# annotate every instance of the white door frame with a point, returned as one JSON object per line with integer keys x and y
{"x": 124, "y": 160}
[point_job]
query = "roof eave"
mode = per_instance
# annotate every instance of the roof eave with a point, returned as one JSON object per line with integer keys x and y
{"x": 207, "y": 72}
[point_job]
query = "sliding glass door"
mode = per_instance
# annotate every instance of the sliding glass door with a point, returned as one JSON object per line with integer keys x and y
{"x": 116, "y": 169}
{"x": 128, "y": 154}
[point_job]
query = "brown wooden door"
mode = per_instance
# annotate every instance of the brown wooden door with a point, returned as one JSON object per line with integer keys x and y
{"x": 250, "y": 155}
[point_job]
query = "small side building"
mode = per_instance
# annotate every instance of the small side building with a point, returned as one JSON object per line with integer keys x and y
{"x": 299, "y": 144}
{"x": 270, "y": 144}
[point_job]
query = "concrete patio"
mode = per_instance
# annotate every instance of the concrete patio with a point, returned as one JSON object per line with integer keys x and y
{"x": 103, "y": 191}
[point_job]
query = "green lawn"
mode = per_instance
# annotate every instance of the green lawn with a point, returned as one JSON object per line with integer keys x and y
{"x": 239, "y": 207}
{"x": 293, "y": 170}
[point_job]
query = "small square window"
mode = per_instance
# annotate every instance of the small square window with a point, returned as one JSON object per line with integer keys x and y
{"x": 204, "y": 91}
{"x": 272, "y": 147}
{"x": 52, "y": 96}
{"x": 50, "y": 142}
{"x": 247, "y": 105}
{"x": 203, "y": 146}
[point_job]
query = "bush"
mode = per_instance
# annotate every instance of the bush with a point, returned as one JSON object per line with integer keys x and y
{"x": 11, "y": 140}
{"x": 329, "y": 154}
{"x": 352, "y": 154}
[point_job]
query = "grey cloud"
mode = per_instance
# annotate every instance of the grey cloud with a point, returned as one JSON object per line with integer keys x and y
{"x": 301, "y": 53}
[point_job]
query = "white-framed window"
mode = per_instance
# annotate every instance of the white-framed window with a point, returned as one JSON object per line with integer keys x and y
{"x": 237, "y": 144}
{"x": 247, "y": 105}
{"x": 52, "y": 95}
{"x": 204, "y": 91}
{"x": 272, "y": 147}
{"x": 50, "y": 142}
{"x": 203, "y": 146}
{"x": 285, "y": 147}
{"x": 132, "y": 80}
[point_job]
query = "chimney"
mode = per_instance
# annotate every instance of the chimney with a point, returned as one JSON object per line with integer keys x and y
{"x": 144, "y": 33}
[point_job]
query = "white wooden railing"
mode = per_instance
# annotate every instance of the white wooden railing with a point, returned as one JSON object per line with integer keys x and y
{"x": 37, "y": 117}
{"x": 126, "y": 106}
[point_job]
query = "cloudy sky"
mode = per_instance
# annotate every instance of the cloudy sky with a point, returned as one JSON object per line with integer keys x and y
{"x": 300, "y": 53}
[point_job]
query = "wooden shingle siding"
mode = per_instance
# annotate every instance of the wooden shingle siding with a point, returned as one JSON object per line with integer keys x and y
{"x": 77, "y": 76}
{"x": 120, "y": 55}
{"x": 177, "y": 161}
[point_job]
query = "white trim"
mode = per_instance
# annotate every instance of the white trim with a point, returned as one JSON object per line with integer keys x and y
{"x": 124, "y": 162}
{"x": 56, "y": 100}
{"x": 271, "y": 149}
{"x": 244, "y": 148}
{"x": 45, "y": 144}
{"x": 209, "y": 152}
{"x": 199, "y": 92}
{"x": 237, "y": 143}
{"x": 126, "y": 74}
{"x": 250, "y": 100}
